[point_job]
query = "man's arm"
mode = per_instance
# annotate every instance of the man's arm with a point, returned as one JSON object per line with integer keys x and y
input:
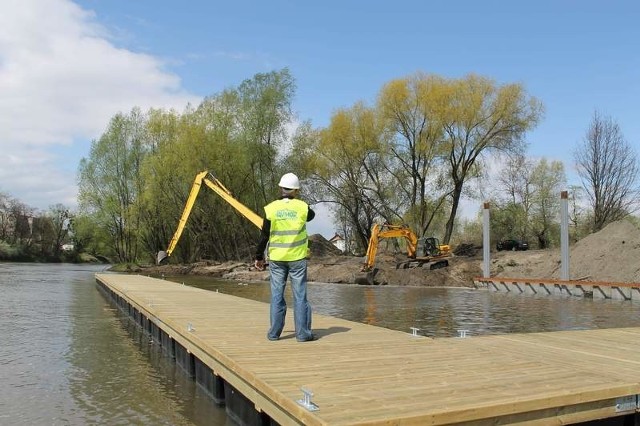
{"x": 264, "y": 239}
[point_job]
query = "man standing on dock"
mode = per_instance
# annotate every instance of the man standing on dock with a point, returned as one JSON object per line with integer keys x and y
{"x": 285, "y": 229}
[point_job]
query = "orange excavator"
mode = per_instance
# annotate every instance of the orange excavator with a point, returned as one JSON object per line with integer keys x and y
{"x": 421, "y": 252}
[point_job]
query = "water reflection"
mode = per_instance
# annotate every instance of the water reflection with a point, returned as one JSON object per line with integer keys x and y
{"x": 115, "y": 365}
{"x": 441, "y": 312}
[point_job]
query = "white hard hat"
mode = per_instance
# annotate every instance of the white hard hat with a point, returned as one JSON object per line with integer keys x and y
{"x": 290, "y": 181}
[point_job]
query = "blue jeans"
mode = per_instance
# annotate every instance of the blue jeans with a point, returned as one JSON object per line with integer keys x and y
{"x": 297, "y": 270}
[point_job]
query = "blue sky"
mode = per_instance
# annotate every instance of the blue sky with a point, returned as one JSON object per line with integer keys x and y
{"x": 576, "y": 56}
{"x": 67, "y": 67}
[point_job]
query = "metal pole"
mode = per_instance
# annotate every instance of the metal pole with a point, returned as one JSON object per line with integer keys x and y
{"x": 564, "y": 235}
{"x": 486, "y": 242}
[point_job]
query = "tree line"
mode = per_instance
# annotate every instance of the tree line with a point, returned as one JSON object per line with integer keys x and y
{"x": 408, "y": 157}
{"x": 29, "y": 235}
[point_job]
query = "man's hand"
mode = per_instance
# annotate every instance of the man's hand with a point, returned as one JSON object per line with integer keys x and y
{"x": 259, "y": 264}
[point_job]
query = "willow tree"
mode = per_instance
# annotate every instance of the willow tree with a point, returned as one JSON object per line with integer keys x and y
{"x": 265, "y": 112}
{"x": 159, "y": 193}
{"x": 479, "y": 116}
{"x": 199, "y": 139}
{"x": 548, "y": 179}
{"x": 237, "y": 135}
{"x": 110, "y": 182}
{"x": 345, "y": 166}
{"x": 410, "y": 110}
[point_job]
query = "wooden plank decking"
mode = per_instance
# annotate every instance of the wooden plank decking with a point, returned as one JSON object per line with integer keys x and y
{"x": 362, "y": 374}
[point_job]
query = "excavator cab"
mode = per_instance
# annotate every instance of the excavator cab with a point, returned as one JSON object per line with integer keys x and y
{"x": 430, "y": 246}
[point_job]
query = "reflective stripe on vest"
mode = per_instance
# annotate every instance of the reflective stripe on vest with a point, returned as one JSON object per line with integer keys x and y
{"x": 288, "y": 237}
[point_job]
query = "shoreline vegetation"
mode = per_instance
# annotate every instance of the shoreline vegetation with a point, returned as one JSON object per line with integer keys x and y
{"x": 608, "y": 255}
{"x": 12, "y": 254}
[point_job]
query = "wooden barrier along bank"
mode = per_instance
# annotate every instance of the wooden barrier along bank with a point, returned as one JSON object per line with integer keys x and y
{"x": 536, "y": 286}
{"x": 357, "y": 374}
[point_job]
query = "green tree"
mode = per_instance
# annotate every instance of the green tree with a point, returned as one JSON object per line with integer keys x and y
{"x": 410, "y": 110}
{"x": 59, "y": 217}
{"x": 237, "y": 135}
{"x": 515, "y": 182}
{"x": 424, "y": 140}
{"x": 265, "y": 113}
{"x": 480, "y": 117}
{"x": 548, "y": 179}
{"x": 528, "y": 201}
{"x": 160, "y": 195}
{"x": 89, "y": 236}
{"x": 347, "y": 168}
{"x": 110, "y": 182}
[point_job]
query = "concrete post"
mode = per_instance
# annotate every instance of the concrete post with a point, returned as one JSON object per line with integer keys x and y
{"x": 564, "y": 235}
{"x": 486, "y": 242}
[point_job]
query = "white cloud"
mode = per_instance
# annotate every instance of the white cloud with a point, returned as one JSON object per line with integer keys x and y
{"x": 61, "y": 80}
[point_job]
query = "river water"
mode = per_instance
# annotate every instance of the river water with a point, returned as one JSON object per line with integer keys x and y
{"x": 67, "y": 357}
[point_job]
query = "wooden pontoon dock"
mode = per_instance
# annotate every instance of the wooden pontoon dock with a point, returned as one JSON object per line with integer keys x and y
{"x": 357, "y": 374}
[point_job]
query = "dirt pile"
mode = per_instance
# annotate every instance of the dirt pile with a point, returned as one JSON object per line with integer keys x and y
{"x": 608, "y": 255}
{"x": 459, "y": 273}
{"x": 320, "y": 246}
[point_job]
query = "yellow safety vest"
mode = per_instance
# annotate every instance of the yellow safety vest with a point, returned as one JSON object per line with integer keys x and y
{"x": 288, "y": 237}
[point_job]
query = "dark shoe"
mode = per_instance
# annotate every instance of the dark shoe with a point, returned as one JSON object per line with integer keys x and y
{"x": 309, "y": 339}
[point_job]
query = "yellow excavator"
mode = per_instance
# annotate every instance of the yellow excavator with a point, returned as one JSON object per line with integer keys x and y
{"x": 212, "y": 182}
{"x": 423, "y": 252}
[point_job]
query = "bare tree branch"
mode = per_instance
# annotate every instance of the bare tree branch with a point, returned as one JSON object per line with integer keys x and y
{"x": 609, "y": 169}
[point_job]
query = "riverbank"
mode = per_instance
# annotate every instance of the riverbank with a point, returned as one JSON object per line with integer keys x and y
{"x": 608, "y": 255}
{"x": 333, "y": 269}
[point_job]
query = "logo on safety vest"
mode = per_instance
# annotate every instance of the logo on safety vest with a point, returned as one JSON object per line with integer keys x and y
{"x": 286, "y": 214}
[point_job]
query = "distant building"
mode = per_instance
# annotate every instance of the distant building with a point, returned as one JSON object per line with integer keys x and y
{"x": 68, "y": 247}
{"x": 339, "y": 242}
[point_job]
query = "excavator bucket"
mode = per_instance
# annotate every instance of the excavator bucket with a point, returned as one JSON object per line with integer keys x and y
{"x": 162, "y": 255}
{"x": 366, "y": 277}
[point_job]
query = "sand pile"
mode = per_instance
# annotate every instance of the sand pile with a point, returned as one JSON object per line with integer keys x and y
{"x": 612, "y": 254}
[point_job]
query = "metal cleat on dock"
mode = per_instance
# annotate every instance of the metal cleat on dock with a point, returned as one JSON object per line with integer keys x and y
{"x": 306, "y": 400}
{"x": 462, "y": 333}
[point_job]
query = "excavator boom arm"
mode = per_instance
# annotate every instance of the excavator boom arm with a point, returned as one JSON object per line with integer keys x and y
{"x": 220, "y": 189}
{"x": 217, "y": 186}
{"x": 193, "y": 195}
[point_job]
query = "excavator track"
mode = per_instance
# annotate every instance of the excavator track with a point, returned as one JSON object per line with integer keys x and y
{"x": 431, "y": 264}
